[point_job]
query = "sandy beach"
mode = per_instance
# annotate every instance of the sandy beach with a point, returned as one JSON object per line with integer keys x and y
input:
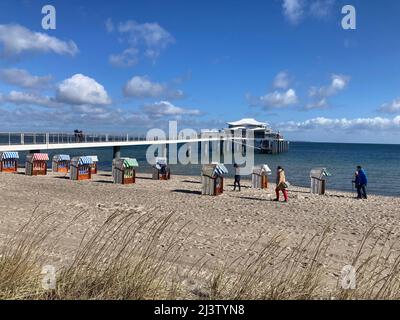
{"x": 215, "y": 230}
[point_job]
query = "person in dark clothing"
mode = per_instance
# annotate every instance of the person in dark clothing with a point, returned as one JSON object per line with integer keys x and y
{"x": 237, "y": 177}
{"x": 81, "y": 136}
{"x": 76, "y": 134}
{"x": 361, "y": 182}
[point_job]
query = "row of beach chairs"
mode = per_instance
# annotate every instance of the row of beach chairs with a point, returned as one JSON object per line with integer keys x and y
{"x": 80, "y": 167}
{"x": 124, "y": 171}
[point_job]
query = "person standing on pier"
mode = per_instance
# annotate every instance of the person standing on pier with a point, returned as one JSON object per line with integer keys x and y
{"x": 281, "y": 184}
{"x": 361, "y": 183}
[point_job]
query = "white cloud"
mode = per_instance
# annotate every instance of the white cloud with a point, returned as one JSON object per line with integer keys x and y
{"x": 344, "y": 124}
{"x": 109, "y": 25}
{"x": 297, "y": 10}
{"x": 144, "y": 40}
{"x": 278, "y": 99}
{"x": 24, "y": 79}
{"x": 393, "y": 107}
{"x": 321, "y": 8}
{"x": 82, "y": 90}
{"x": 143, "y": 87}
{"x": 128, "y": 58}
{"x": 151, "y": 34}
{"x": 16, "y": 40}
{"x": 319, "y": 95}
{"x": 338, "y": 83}
{"x": 319, "y": 104}
{"x": 281, "y": 80}
{"x": 30, "y": 99}
{"x": 275, "y": 100}
{"x": 165, "y": 108}
{"x": 293, "y": 10}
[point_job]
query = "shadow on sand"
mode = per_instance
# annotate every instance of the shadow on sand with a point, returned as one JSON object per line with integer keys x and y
{"x": 191, "y": 181}
{"x": 104, "y": 181}
{"x": 187, "y": 191}
{"x": 143, "y": 178}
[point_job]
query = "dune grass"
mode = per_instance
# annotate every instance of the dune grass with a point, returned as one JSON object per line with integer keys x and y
{"x": 136, "y": 256}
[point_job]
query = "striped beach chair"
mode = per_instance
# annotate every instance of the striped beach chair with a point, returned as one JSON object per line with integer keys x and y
{"x": 36, "y": 164}
{"x": 9, "y": 162}
{"x": 81, "y": 168}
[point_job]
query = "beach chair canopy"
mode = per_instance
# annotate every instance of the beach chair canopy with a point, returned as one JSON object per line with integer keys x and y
{"x": 130, "y": 163}
{"x": 214, "y": 170}
{"x": 262, "y": 169}
{"x": 160, "y": 162}
{"x": 319, "y": 173}
{"x": 40, "y": 157}
{"x": 9, "y": 155}
{"x": 85, "y": 160}
{"x": 61, "y": 157}
{"x": 220, "y": 170}
{"x": 94, "y": 158}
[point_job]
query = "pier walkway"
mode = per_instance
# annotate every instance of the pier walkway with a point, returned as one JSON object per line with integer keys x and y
{"x": 54, "y": 141}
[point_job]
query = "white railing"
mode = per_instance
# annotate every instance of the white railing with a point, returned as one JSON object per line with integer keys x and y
{"x": 27, "y": 138}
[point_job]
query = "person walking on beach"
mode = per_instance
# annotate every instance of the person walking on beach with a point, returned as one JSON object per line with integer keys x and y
{"x": 361, "y": 182}
{"x": 281, "y": 184}
{"x": 237, "y": 177}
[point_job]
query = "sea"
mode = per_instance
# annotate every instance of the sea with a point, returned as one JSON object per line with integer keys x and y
{"x": 381, "y": 163}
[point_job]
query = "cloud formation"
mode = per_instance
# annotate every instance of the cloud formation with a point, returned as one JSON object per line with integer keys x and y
{"x": 82, "y": 90}
{"x": 282, "y": 80}
{"x": 297, "y": 10}
{"x": 377, "y": 123}
{"x": 23, "y": 79}
{"x": 144, "y": 40}
{"x": 392, "y": 107}
{"x": 321, "y": 8}
{"x": 320, "y": 95}
{"x": 283, "y": 97}
{"x": 293, "y": 10}
{"x": 128, "y": 58}
{"x": 29, "y": 99}
{"x": 16, "y": 40}
{"x": 142, "y": 87}
{"x": 279, "y": 99}
{"x": 167, "y": 109}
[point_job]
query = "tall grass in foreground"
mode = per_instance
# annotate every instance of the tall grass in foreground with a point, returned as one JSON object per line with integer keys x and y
{"x": 130, "y": 256}
{"x": 136, "y": 256}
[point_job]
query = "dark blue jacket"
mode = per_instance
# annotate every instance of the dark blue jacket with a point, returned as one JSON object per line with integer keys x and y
{"x": 361, "y": 178}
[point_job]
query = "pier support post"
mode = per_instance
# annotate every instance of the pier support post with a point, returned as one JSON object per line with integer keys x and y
{"x": 116, "y": 152}
{"x": 33, "y": 151}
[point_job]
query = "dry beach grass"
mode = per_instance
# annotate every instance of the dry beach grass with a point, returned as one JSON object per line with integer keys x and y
{"x": 164, "y": 240}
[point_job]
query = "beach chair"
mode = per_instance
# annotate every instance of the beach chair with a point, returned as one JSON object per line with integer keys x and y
{"x": 124, "y": 170}
{"x": 9, "y": 162}
{"x": 81, "y": 168}
{"x": 95, "y": 160}
{"x": 36, "y": 164}
{"x": 161, "y": 171}
{"x": 212, "y": 179}
{"x": 60, "y": 163}
{"x": 318, "y": 180}
{"x": 259, "y": 177}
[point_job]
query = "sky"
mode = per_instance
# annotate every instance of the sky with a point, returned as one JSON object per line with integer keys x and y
{"x": 129, "y": 66}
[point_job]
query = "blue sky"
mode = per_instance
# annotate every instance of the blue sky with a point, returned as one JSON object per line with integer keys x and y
{"x": 127, "y": 66}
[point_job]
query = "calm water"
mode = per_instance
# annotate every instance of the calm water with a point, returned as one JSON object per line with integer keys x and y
{"x": 381, "y": 162}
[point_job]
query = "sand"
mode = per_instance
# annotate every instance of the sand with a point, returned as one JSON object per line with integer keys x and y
{"x": 218, "y": 229}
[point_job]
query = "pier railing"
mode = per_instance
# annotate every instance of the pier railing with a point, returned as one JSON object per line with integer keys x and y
{"x": 13, "y": 138}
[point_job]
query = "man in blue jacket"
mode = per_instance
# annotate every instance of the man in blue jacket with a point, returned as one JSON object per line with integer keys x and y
{"x": 361, "y": 183}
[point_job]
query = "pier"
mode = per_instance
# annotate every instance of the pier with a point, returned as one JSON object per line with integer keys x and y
{"x": 36, "y": 142}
